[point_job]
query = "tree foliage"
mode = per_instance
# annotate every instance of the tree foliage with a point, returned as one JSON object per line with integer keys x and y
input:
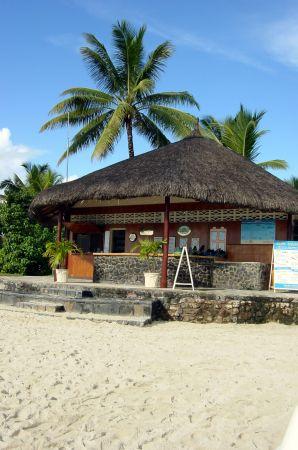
{"x": 242, "y": 134}
{"x": 124, "y": 97}
{"x": 293, "y": 181}
{"x": 22, "y": 240}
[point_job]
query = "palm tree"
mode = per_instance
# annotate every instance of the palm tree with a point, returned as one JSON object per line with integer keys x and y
{"x": 293, "y": 181}
{"x": 241, "y": 134}
{"x": 38, "y": 177}
{"x": 124, "y": 98}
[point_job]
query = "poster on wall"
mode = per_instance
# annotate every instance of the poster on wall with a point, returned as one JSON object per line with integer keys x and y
{"x": 195, "y": 242}
{"x": 183, "y": 242}
{"x": 285, "y": 261}
{"x": 172, "y": 242}
{"x": 257, "y": 231}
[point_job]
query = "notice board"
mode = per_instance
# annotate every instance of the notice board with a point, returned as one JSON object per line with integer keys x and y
{"x": 257, "y": 231}
{"x": 285, "y": 263}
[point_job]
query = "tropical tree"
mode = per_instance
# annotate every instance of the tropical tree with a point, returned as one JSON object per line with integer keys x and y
{"x": 242, "y": 134}
{"x": 124, "y": 98}
{"x": 293, "y": 181}
{"x": 37, "y": 178}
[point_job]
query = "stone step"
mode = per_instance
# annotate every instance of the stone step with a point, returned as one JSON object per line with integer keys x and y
{"x": 23, "y": 307}
{"x": 63, "y": 290}
{"x": 103, "y": 306}
{"x": 41, "y": 306}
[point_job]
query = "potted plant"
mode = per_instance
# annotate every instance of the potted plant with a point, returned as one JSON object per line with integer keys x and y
{"x": 57, "y": 253}
{"x": 148, "y": 250}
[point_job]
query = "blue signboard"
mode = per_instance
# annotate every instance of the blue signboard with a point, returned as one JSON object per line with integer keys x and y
{"x": 285, "y": 265}
{"x": 257, "y": 231}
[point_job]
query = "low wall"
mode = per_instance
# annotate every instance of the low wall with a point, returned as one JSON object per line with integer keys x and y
{"x": 203, "y": 306}
{"x": 206, "y": 272}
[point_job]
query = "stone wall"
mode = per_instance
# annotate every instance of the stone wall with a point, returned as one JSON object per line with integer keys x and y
{"x": 203, "y": 306}
{"x": 206, "y": 273}
{"x": 245, "y": 275}
{"x": 238, "y": 309}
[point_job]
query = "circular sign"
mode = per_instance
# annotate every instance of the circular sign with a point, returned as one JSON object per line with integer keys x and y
{"x": 132, "y": 237}
{"x": 184, "y": 230}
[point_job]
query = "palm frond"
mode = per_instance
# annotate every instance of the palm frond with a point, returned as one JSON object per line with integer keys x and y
{"x": 110, "y": 69}
{"x": 88, "y": 135}
{"x": 178, "y": 122}
{"x": 147, "y": 128}
{"x": 293, "y": 181}
{"x": 98, "y": 69}
{"x": 129, "y": 52}
{"x": 82, "y": 102}
{"x": 111, "y": 133}
{"x": 75, "y": 118}
{"x": 169, "y": 98}
{"x": 280, "y": 164}
{"x": 156, "y": 61}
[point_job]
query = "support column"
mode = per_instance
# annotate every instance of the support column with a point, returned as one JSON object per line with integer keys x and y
{"x": 290, "y": 227}
{"x": 59, "y": 227}
{"x": 164, "y": 269}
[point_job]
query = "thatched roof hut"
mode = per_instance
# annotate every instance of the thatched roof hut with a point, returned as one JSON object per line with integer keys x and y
{"x": 193, "y": 168}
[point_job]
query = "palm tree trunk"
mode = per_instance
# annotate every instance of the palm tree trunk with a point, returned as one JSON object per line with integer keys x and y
{"x": 128, "y": 124}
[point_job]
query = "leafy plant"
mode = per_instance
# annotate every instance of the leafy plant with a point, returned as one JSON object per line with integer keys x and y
{"x": 124, "y": 98}
{"x": 37, "y": 178}
{"x": 58, "y": 251}
{"x": 293, "y": 181}
{"x": 241, "y": 133}
{"x": 23, "y": 240}
{"x": 148, "y": 248}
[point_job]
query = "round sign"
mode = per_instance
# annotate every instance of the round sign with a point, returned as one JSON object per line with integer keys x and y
{"x": 132, "y": 237}
{"x": 184, "y": 230}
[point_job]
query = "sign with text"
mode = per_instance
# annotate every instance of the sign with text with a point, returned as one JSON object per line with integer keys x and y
{"x": 257, "y": 231}
{"x": 285, "y": 254}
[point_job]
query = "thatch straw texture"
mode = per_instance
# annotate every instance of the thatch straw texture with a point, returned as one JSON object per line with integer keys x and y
{"x": 195, "y": 167}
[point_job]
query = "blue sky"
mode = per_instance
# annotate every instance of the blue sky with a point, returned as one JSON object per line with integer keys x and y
{"x": 227, "y": 53}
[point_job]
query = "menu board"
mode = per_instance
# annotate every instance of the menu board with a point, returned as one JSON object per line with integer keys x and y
{"x": 257, "y": 231}
{"x": 285, "y": 254}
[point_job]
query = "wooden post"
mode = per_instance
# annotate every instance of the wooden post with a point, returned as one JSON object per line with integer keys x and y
{"x": 290, "y": 228}
{"x": 164, "y": 269}
{"x": 59, "y": 227}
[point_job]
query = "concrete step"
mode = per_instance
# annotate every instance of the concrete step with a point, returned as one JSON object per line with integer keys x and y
{"x": 101, "y": 306}
{"x": 41, "y": 306}
{"x": 60, "y": 290}
{"x": 98, "y": 318}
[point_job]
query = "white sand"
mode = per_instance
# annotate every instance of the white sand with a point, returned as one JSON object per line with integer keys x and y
{"x": 78, "y": 384}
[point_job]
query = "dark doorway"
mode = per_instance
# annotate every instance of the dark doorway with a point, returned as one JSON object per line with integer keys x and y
{"x": 118, "y": 242}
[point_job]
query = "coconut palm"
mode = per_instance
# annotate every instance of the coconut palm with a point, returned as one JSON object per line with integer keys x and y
{"x": 293, "y": 181}
{"x": 242, "y": 134}
{"x": 124, "y": 98}
{"x": 38, "y": 177}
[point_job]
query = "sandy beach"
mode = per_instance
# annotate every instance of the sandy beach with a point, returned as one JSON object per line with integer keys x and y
{"x": 79, "y": 384}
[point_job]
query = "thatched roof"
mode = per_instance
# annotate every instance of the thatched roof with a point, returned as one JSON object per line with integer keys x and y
{"x": 195, "y": 168}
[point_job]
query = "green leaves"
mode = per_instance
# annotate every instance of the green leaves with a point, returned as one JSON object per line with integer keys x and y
{"x": 178, "y": 122}
{"x": 57, "y": 252}
{"x": 293, "y": 181}
{"x": 125, "y": 96}
{"x": 111, "y": 132}
{"x": 241, "y": 134}
{"x": 24, "y": 240}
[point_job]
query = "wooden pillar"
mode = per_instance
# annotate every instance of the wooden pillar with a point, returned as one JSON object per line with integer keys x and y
{"x": 164, "y": 268}
{"x": 59, "y": 227}
{"x": 290, "y": 227}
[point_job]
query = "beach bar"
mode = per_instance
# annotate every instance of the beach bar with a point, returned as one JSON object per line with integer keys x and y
{"x": 196, "y": 193}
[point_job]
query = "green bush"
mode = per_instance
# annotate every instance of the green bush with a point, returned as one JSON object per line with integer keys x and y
{"x": 23, "y": 240}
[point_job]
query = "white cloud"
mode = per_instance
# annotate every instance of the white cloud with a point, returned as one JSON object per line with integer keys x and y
{"x": 12, "y": 155}
{"x": 281, "y": 40}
